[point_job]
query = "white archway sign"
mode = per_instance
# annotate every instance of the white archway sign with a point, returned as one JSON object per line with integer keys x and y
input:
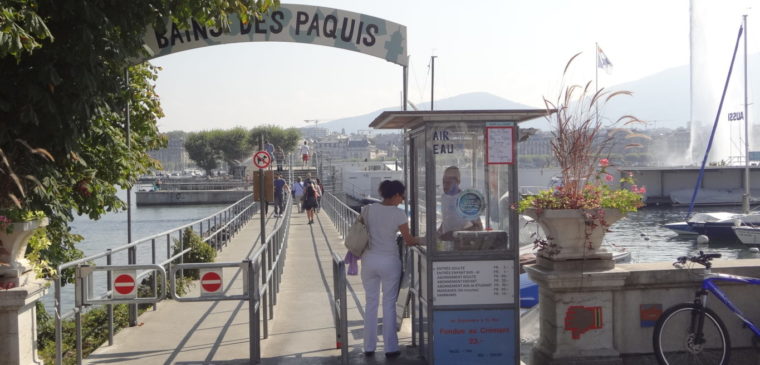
{"x": 292, "y": 23}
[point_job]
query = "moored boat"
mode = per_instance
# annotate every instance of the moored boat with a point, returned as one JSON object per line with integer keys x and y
{"x": 748, "y": 235}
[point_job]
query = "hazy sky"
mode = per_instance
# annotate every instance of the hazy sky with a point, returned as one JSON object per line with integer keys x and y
{"x": 514, "y": 49}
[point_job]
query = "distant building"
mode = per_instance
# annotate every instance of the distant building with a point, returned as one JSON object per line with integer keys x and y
{"x": 313, "y": 132}
{"x": 334, "y": 146}
{"x": 173, "y": 157}
{"x": 360, "y": 149}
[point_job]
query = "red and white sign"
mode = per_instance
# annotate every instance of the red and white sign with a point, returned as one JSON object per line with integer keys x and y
{"x": 262, "y": 159}
{"x": 211, "y": 281}
{"x": 124, "y": 285}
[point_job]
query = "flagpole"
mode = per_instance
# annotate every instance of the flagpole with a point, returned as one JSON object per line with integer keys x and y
{"x": 596, "y": 77}
{"x": 745, "y": 198}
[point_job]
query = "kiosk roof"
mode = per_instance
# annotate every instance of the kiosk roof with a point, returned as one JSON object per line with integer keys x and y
{"x": 413, "y": 119}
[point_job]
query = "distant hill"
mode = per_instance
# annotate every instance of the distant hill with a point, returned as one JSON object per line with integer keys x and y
{"x": 478, "y": 100}
{"x": 661, "y": 99}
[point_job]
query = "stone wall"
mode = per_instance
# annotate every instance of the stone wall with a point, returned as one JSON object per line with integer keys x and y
{"x": 607, "y": 317}
{"x": 186, "y": 197}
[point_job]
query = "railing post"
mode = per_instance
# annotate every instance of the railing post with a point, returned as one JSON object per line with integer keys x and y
{"x": 154, "y": 286}
{"x": 343, "y": 312}
{"x": 264, "y": 306}
{"x": 58, "y": 319}
{"x": 109, "y": 307}
{"x": 254, "y": 317}
{"x": 270, "y": 291}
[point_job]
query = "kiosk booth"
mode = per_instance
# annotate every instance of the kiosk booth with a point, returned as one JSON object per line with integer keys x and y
{"x": 462, "y": 182}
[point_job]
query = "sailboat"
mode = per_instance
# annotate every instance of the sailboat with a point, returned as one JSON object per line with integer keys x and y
{"x": 721, "y": 225}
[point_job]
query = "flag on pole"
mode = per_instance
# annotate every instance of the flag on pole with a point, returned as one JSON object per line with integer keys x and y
{"x": 602, "y": 61}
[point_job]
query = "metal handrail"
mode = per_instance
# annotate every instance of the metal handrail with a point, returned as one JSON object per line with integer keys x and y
{"x": 231, "y": 220}
{"x": 269, "y": 258}
{"x": 342, "y": 217}
{"x": 340, "y": 307}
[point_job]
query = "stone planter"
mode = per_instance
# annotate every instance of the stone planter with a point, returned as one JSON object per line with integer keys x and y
{"x": 13, "y": 265}
{"x": 567, "y": 229}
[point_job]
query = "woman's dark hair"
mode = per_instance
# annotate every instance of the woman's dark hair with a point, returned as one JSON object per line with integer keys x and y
{"x": 389, "y": 188}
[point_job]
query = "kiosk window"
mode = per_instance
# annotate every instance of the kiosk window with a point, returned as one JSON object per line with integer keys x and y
{"x": 463, "y": 219}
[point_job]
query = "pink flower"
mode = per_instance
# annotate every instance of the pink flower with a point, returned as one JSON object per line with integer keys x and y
{"x": 608, "y": 177}
{"x": 604, "y": 162}
{"x": 642, "y": 190}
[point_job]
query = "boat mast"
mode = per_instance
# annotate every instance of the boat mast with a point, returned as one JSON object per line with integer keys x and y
{"x": 745, "y": 198}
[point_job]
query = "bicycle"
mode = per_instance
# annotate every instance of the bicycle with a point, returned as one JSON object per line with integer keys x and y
{"x": 691, "y": 333}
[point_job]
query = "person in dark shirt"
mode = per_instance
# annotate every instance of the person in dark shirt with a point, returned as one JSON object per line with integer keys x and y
{"x": 280, "y": 189}
{"x": 310, "y": 201}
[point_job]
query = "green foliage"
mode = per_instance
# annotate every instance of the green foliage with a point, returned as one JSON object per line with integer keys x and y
{"x": 199, "y": 149}
{"x": 39, "y": 243}
{"x": 594, "y": 195}
{"x": 199, "y": 251}
{"x": 206, "y": 148}
{"x": 22, "y": 28}
{"x": 230, "y": 144}
{"x": 94, "y": 332}
{"x": 287, "y": 139}
{"x": 63, "y": 95}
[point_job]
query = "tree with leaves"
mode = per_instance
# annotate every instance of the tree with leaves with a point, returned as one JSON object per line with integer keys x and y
{"x": 68, "y": 81}
{"x": 231, "y": 144}
{"x": 287, "y": 139}
{"x": 200, "y": 150}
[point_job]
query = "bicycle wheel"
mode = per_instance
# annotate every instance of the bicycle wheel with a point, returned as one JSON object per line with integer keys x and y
{"x": 676, "y": 343}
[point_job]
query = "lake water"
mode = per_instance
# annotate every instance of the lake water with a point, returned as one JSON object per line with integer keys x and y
{"x": 111, "y": 231}
{"x": 642, "y": 234}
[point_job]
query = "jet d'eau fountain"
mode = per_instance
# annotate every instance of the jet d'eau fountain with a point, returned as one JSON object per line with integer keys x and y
{"x": 714, "y": 29}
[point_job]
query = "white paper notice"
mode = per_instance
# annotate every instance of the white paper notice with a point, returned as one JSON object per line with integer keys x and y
{"x": 499, "y": 142}
{"x": 473, "y": 282}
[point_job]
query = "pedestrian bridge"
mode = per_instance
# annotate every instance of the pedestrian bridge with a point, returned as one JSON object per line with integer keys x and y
{"x": 307, "y": 311}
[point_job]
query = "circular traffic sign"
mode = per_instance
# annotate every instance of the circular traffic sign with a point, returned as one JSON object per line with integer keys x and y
{"x": 262, "y": 159}
{"x": 124, "y": 284}
{"x": 211, "y": 282}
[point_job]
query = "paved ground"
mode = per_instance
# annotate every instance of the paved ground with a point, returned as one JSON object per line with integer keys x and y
{"x": 302, "y": 331}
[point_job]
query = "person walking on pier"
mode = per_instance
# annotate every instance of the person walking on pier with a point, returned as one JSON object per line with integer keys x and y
{"x": 305, "y": 153}
{"x": 279, "y": 157}
{"x": 309, "y": 201}
{"x": 321, "y": 192}
{"x": 381, "y": 265}
{"x": 280, "y": 187}
{"x": 298, "y": 193}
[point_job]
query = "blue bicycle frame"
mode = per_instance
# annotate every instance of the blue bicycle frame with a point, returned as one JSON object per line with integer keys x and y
{"x": 709, "y": 284}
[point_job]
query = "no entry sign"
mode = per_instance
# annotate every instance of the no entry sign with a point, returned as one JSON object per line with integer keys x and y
{"x": 211, "y": 281}
{"x": 262, "y": 159}
{"x": 124, "y": 285}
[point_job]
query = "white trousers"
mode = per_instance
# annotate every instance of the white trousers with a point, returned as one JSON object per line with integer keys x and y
{"x": 377, "y": 270}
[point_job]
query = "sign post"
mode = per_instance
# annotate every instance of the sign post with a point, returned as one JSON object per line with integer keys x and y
{"x": 261, "y": 160}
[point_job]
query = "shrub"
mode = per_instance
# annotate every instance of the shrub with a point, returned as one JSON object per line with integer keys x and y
{"x": 199, "y": 251}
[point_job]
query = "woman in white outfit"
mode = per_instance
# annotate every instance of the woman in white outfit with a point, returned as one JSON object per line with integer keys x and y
{"x": 381, "y": 265}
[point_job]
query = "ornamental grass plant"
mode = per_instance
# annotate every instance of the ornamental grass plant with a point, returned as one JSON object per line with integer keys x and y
{"x": 582, "y": 138}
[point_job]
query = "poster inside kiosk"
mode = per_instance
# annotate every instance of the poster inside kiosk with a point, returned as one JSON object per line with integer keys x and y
{"x": 473, "y": 282}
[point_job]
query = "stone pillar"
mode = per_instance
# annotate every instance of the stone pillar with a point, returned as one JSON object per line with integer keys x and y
{"x": 18, "y": 323}
{"x": 576, "y": 315}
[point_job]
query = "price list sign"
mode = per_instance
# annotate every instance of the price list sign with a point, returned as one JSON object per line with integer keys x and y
{"x": 473, "y": 282}
{"x": 474, "y": 336}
